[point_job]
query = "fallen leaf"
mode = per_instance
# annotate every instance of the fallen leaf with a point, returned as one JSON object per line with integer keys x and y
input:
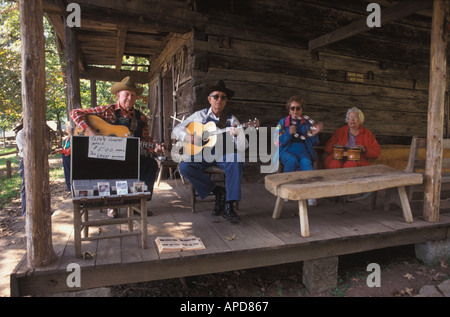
{"x": 443, "y": 264}
{"x": 409, "y": 291}
{"x": 408, "y": 276}
{"x": 88, "y": 255}
{"x": 233, "y": 237}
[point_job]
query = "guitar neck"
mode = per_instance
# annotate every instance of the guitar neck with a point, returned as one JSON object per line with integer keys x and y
{"x": 227, "y": 129}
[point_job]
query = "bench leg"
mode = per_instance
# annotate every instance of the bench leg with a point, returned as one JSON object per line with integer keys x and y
{"x": 278, "y": 208}
{"x": 405, "y": 204}
{"x": 158, "y": 181}
{"x": 144, "y": 232}
{"x": 303, "y": 215}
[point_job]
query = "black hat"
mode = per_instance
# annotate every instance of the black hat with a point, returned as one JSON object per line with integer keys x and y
{"x": 220, "y": 86}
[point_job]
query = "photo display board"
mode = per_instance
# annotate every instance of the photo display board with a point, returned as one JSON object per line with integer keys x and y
{"x": 85, "y": 166}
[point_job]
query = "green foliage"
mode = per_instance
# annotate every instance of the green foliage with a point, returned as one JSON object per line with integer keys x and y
{"x": 10, "y": 58}
{"x": 10, "y": 187}
{"x": 10, "y": 73}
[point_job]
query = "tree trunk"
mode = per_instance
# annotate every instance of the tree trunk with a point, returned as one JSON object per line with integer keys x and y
{"x": 35, "y": 136}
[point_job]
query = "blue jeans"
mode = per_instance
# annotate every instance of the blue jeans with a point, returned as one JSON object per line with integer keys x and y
{"x": 148, "y": 170}
{"x": 23, "y": 197}
{"x": 296, "y": 158}
{"x": 203, "y": 185}
{"x": 66, "y": 166}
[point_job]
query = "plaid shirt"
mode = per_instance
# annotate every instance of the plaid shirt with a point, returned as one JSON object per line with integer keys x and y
{"x": 108, "y": 113}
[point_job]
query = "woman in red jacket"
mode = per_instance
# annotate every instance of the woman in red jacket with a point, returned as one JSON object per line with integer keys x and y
{"x": 353, "y": 135}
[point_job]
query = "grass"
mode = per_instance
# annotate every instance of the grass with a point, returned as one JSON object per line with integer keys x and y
{"x": 10, "y": 187}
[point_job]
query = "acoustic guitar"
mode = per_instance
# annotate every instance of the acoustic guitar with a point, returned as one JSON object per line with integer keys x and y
{"x": 101, "y": 127}
{"x": 208, "y": 133}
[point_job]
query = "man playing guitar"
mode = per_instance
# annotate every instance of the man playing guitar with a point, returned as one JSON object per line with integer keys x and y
{"x": 193, "y": 167}
{"x": 123, "y": 113}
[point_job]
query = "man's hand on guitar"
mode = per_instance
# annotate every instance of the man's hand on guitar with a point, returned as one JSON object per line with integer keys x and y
{"x": 89, "y": 131}
{"x": 193, "y": 139}
{"x": 234, "y": 132}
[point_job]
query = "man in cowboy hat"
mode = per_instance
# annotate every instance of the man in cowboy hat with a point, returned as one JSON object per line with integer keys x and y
{"x": 192, "y": 168}
{"x": 124, "y": 113}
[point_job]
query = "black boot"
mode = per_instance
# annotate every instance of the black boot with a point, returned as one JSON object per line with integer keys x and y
{"x": 220, "y": 201}
{"x": 229, "y": 212}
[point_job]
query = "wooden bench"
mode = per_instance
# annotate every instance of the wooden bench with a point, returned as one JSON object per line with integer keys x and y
{"x": 416, "y": 164}
{"x": 302, "y": 186}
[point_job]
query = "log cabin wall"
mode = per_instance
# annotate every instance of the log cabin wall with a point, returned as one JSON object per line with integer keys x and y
{"x": 259, "y": 48}
{"x": 174, "y": 65}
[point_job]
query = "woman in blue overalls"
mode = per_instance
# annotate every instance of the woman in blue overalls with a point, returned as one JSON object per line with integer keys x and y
{"x": 296, "y": 135}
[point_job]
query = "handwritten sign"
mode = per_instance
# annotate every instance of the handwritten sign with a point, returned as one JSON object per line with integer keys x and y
{"x": 107, "y": 147}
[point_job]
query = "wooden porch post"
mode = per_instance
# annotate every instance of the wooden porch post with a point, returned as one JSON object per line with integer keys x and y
{"x": 436, "y": 100}
{"x": 38, "y": 229}
{"x": 72, "y": 68}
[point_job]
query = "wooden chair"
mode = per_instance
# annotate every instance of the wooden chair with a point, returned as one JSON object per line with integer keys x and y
{"x": 171, "y": 165}
{"x": 416, "y": 164}
{"x": 215, "y": 174}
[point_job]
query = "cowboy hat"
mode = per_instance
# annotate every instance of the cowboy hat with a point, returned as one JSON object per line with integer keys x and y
{"x": 126, "y": 84}
{"x": 220, "y": 86}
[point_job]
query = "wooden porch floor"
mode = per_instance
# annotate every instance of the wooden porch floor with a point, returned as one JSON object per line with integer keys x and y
{"x": 258, "y": 240}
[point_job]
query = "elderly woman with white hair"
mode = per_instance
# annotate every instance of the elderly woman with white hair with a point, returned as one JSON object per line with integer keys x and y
{"x": 349, "y": 138}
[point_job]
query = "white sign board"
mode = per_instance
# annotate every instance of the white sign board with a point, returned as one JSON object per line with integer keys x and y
{"x": 107, "y": 147}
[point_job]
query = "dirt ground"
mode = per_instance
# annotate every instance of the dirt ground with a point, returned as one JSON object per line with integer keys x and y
{"x": 402, "y": 275}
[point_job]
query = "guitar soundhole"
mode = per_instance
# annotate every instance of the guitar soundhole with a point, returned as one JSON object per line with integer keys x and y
{"x": 205, "y": 136}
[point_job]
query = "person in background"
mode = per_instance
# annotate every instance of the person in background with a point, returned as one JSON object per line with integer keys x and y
{"x": 65, "y": 155}
{"x": 124, "y": 113}
{"x": 296, "y": 135}
{"x": 353, "y": 135}
{"x": 19, "y": 142}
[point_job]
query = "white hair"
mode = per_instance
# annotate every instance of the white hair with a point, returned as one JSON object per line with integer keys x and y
{"x": 356, "y": 111}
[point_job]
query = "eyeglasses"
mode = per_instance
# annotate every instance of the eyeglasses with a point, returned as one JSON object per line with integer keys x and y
{"x": 352, "y": 118}
{"x": 216, "y": 97}
{"x": 298, "y": 108}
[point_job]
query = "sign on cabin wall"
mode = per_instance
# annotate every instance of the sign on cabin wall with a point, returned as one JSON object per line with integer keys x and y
{"x": 354, "y": 77}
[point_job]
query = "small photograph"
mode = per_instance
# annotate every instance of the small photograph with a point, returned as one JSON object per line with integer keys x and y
{"x": 103, "y": 189}
{"x": 138, "y": 187}
{"x": 122, "y": 187}
{"x": 82, "y": 193}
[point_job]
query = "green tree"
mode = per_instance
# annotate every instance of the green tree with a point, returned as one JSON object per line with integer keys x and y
{"x": 10, "y": 60}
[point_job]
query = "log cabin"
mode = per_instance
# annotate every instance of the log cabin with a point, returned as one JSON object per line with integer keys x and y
{"x": 262, "y": 50}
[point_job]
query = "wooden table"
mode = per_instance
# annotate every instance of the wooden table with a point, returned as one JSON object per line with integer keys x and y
{"x": 302, "y": 186}
{"x": 82, "y": 206}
